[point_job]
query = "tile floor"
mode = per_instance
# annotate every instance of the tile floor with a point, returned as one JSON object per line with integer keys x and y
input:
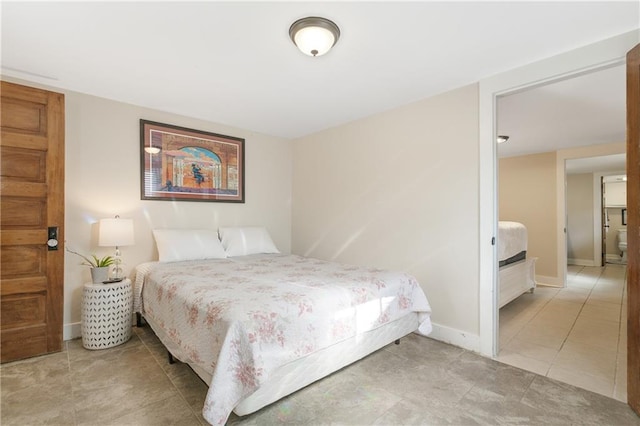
{"x": 577, "y": 334}
{"x": 420, "y": 381}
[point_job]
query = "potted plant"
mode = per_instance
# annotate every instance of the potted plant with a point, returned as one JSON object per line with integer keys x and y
{"x": 99, "y": 266}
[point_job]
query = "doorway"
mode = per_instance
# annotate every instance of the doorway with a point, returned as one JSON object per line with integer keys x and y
{"x": 605, "y": 55}
{"x": 587, "y": 229}
{"x": 546, "y": 332}
{"x": 614, "y": 222}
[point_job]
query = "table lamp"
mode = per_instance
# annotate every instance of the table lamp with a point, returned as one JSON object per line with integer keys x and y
{"x": 116, "y": 233}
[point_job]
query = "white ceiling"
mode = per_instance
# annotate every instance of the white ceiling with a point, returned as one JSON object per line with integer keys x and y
{"x": 580, "y": 111}
{"x": 233, "y": 62}
{"x": 615, "y": 163}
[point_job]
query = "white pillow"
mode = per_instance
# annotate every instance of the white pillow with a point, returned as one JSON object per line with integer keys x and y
{"x": 246, "y": 240}
{"x": 188, "y": 244}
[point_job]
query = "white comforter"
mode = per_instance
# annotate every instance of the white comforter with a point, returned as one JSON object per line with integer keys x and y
{"x": 241, "y": 318}
{"x": 512, "y": 239}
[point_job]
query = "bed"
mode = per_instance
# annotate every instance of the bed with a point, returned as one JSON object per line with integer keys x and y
{"x": 258, "y": 327}
{"x": 516, "y": 270}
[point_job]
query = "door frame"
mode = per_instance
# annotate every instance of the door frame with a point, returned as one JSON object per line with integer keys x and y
{"x": 601, "y": 55}
{"x": 597, "y": 226}
{"x": 600, "y": 245}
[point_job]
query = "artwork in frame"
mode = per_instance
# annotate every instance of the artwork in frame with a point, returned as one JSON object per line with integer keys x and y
{"x": 181, "y": 164}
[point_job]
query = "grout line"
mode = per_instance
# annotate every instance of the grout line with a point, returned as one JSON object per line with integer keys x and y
{"x": 583, "y": 304}
{"x": 524, "y": 394}
{"x": 167, "y": 375}
{"x": 620, "y": 322}
{"x": 577, "y": 316}
{"x": 602, "y": 272}
{"x": 73, "y": 396}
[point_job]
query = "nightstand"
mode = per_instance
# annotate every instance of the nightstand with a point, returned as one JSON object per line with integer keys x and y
{"x": 106, "y": 314}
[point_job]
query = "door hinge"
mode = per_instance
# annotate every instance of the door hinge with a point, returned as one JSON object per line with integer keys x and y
{"x": 493, "y": 241}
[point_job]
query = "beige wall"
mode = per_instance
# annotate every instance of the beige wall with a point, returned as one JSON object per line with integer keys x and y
{"x": 398, "y": 190}
{"x": 580, "y": 218}
{"x": 103, "y": 179}
{"x": 527, "y": 194}
{"x": 545, "y": 188}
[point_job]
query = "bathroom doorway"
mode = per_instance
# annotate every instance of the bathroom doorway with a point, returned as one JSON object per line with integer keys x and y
{"x": 585, "y": 209}
{"x": 614, "y": 223}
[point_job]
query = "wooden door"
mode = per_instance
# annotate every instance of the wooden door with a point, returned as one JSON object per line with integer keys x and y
{"x": 633, "y": 228}
{"x": 31, "y": 199}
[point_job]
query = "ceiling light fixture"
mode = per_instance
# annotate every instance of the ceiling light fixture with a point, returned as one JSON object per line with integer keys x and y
{"x": 313, "y": 35}
{"x": 151, "y": 149}
{"x": 502, "y": 139}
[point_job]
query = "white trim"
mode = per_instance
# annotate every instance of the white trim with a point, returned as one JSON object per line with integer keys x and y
{"x": 561, "y": 224}
{"x": 597, "y": 220}
{"x": 598, "y": 208}
{"x": 581, "y": 262}
{"x": 488, "y": 220}
{"x": 578, "y": 61}
{"x": 550, "y": 281}
{"x": 614, "y": 258}
{"x": 71, "y": 331}
{"x": 455, "y": 337}
{"x": 74, "y": 330}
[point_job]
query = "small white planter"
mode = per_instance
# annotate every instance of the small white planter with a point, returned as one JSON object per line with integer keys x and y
{"x": 98, "y": 275}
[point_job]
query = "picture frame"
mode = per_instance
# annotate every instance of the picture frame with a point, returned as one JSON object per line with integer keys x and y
{"x": 624, "y": 216}
{"x": 182, "y": 164}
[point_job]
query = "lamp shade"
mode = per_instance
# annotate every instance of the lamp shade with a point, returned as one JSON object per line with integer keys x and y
{"x": 115, "y": 232}
{"x": 313, "y": 35}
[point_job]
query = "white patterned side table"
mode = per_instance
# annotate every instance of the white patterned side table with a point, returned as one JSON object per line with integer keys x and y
{"x": 106, "y": 314}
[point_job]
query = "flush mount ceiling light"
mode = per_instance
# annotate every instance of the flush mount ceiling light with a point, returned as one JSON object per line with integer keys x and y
{"x": 151, "y": 149}
{"x": 313, "y": 35}
{"x": 502, "y": 139}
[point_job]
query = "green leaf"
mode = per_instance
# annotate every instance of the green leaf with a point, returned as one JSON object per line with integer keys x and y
{"x": 96, "y": 262}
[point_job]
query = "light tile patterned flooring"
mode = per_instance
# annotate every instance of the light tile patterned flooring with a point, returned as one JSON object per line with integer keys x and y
{"x": 577, "y": 334}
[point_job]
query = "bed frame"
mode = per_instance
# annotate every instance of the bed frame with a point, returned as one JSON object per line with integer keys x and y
{"x": 516, "y": 279}
{"x": 300, "y": 373}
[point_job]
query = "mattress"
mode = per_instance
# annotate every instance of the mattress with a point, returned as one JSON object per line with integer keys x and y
{"x": 512, "y": 240}
{"x": 513, "y": 259}
{"x": 241, "y": 319}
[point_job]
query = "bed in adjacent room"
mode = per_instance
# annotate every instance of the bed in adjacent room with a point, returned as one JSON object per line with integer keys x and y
{"x": 516, "y": 270}
{"x": 259, "y": 325}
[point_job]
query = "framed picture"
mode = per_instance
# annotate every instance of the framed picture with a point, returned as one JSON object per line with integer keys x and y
{"x": 180, "y": 164}
{"x": 624, "y": 216}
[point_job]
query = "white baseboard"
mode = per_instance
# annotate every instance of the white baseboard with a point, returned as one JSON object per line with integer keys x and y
{"x": 455, "y": 337}
{"x": 614, "y": 258}
{"x": 74, "y": 331}
{"x": 71, "y": 331}
{"x": 552, "y": 281}
{"x": 581, "y": 262}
